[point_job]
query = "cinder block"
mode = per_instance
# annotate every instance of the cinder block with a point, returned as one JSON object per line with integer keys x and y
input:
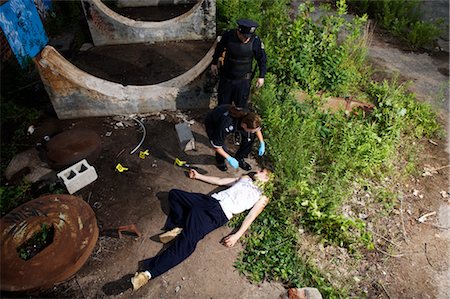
{"x": 187, "y": 141}
{"x": 78, "y": 176}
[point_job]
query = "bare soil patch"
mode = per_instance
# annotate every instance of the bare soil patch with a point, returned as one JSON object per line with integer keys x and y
{"x": 142, "y": 64}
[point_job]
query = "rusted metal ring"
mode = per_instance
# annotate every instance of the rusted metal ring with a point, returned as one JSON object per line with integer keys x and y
{"x": 75, "y": 236}
{"x": 72, "y": 146}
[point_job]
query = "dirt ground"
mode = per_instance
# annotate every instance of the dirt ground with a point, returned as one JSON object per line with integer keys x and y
{"x": 142, "y": 64}
{"x": 412, "y": 263}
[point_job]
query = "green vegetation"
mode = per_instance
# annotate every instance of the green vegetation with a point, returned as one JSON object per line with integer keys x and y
{"x": 318, "y": 155}
{"x": 37, "y": 242}
{"x": 401, "y": 18}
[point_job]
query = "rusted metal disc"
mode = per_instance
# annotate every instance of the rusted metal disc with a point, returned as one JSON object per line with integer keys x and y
{"x": 72, "y": 146}
{"x": 75, "y": 236}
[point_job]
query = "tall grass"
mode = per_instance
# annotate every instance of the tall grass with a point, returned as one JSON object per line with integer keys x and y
{"x": 318, "y": 155}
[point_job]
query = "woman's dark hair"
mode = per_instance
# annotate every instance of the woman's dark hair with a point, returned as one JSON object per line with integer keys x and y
{"x": 250, "y": 119}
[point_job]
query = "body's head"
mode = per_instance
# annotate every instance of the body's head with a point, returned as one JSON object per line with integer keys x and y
{"x": 263, "y": 176}
{"x": 246, "y": 29}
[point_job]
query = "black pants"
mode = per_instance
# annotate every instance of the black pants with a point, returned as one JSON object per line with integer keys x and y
{"x": 233, "y": 91}
{"x": 244, "y": 150}
{"x": 198, "y": 214}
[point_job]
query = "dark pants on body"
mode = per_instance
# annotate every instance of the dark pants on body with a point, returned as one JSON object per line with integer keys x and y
{"x": 198, "y": 214}
{"x": 244, "y": 150}
{"x": 233, "y": 91}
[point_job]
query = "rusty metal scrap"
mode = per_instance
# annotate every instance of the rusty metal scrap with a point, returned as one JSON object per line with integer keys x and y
{"x": 128, "y": 228}
{"x": 75, "y": 236}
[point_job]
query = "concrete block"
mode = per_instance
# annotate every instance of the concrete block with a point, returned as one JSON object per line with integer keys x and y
{"x": 78, "y": 176}
{"x": 187, "y": 141}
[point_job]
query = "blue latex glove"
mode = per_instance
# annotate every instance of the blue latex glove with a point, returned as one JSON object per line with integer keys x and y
{"x": 233, "y": 162}
{"x": 262, "y": 148}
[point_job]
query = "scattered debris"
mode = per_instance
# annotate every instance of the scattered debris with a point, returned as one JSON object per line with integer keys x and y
{"x": 120, "y": 153}
{"x": 177, "y": 289}
{"x": 144, "y": 133}
{"x": 128, "y": 228}
{"x": 432, "y": 142}
{"x": 108, "y": 134}
{"x": 415, "y": 192}
{"x": 119, "y": 125}
{"x": 444, "y": 194}
{"x": 424, "y": 217}
{"x": 30, "y": 130}
{"x": 185, "y": 136}
{"x": 85, "y": 47}
{"x": 27, "y": 160}
{"x": 303, "y": 293}
{"x": 429, "y": 171}
{"x": 154, "y": 164}
{"x": 78, "y": 176}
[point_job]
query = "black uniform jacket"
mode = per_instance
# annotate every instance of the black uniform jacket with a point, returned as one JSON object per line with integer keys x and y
{"x": 219, "y": 124}
{"x": 238, "y": 56}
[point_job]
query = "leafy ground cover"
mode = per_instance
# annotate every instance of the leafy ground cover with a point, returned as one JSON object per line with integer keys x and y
{"x": 318, "y": 156}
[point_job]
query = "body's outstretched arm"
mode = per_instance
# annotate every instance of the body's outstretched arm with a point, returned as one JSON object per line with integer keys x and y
{"x": 251, "y": 216}
{"x": 193, "y": 174}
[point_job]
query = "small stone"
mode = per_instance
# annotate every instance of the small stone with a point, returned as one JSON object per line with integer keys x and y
{"x": 444, "y": 194}
{"x": 107, "y": 134}
{"x": 415, "y": 192}
{"x": 162, "y": 117}
{"x": 119, "y": 124}
{"x": 420, "y": 196}
{"x": 177, "y": 289}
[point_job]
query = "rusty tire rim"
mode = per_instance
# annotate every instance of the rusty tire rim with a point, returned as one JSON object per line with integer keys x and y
{"x": 75, "y": 236}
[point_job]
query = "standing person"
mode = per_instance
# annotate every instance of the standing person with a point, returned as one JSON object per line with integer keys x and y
{"x": 241, "y": 45}
{"x": 226, "y": 119}
{"x": 193, "y": 215}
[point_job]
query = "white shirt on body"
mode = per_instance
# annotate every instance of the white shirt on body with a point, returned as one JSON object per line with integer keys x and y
{"x": 240, "y": 197}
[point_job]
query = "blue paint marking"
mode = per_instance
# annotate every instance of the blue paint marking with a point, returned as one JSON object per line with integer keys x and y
{"x": 23, "y": 29}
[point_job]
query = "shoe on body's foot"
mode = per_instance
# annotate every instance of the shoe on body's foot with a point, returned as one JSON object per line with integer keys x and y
{"x": 222, "y": 167}
{"x": 170, "y": 235}
{"x": 244, "y": 165}
{"x": 139, "y": 280}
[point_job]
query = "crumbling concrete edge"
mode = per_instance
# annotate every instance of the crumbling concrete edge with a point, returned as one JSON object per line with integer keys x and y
{"x": 109, "y": 28}
{"x": 77, "y": 94}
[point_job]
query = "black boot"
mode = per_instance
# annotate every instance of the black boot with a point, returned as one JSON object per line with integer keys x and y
{"x": 244, "y": 165}
{"x": 222, "y": 167}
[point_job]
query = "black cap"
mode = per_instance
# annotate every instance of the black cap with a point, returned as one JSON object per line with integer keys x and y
{"x": 247, "y": 27}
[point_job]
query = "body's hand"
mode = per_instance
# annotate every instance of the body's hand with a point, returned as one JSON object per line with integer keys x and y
{"x": 214, "y": 69}
{"x": 259, "y": 82}
{"x": 262, "y": 148}
{"x": 233, "y": 162}
{"x": 193, "y": 174}
{"x": 230, "y": 240}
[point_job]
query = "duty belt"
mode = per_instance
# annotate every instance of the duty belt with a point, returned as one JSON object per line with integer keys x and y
{"x": 247, "y": 76}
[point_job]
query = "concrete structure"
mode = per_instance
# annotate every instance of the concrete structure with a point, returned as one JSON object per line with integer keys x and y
{"x": 109, "y": 28}
{"x": 75, "y": 93}
{"x": 140, "y": 3}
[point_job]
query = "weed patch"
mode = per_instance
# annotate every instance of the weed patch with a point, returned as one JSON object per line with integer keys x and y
{"x": 318, "y": 156}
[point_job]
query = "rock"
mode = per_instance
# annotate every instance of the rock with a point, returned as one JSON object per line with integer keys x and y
{"x": 86, "y": 46}
{"x": 27, "y": 159}
{"x": 302, "y": 293}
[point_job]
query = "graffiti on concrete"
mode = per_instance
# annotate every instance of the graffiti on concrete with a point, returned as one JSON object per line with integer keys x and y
{"x": 23, "y": 29}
